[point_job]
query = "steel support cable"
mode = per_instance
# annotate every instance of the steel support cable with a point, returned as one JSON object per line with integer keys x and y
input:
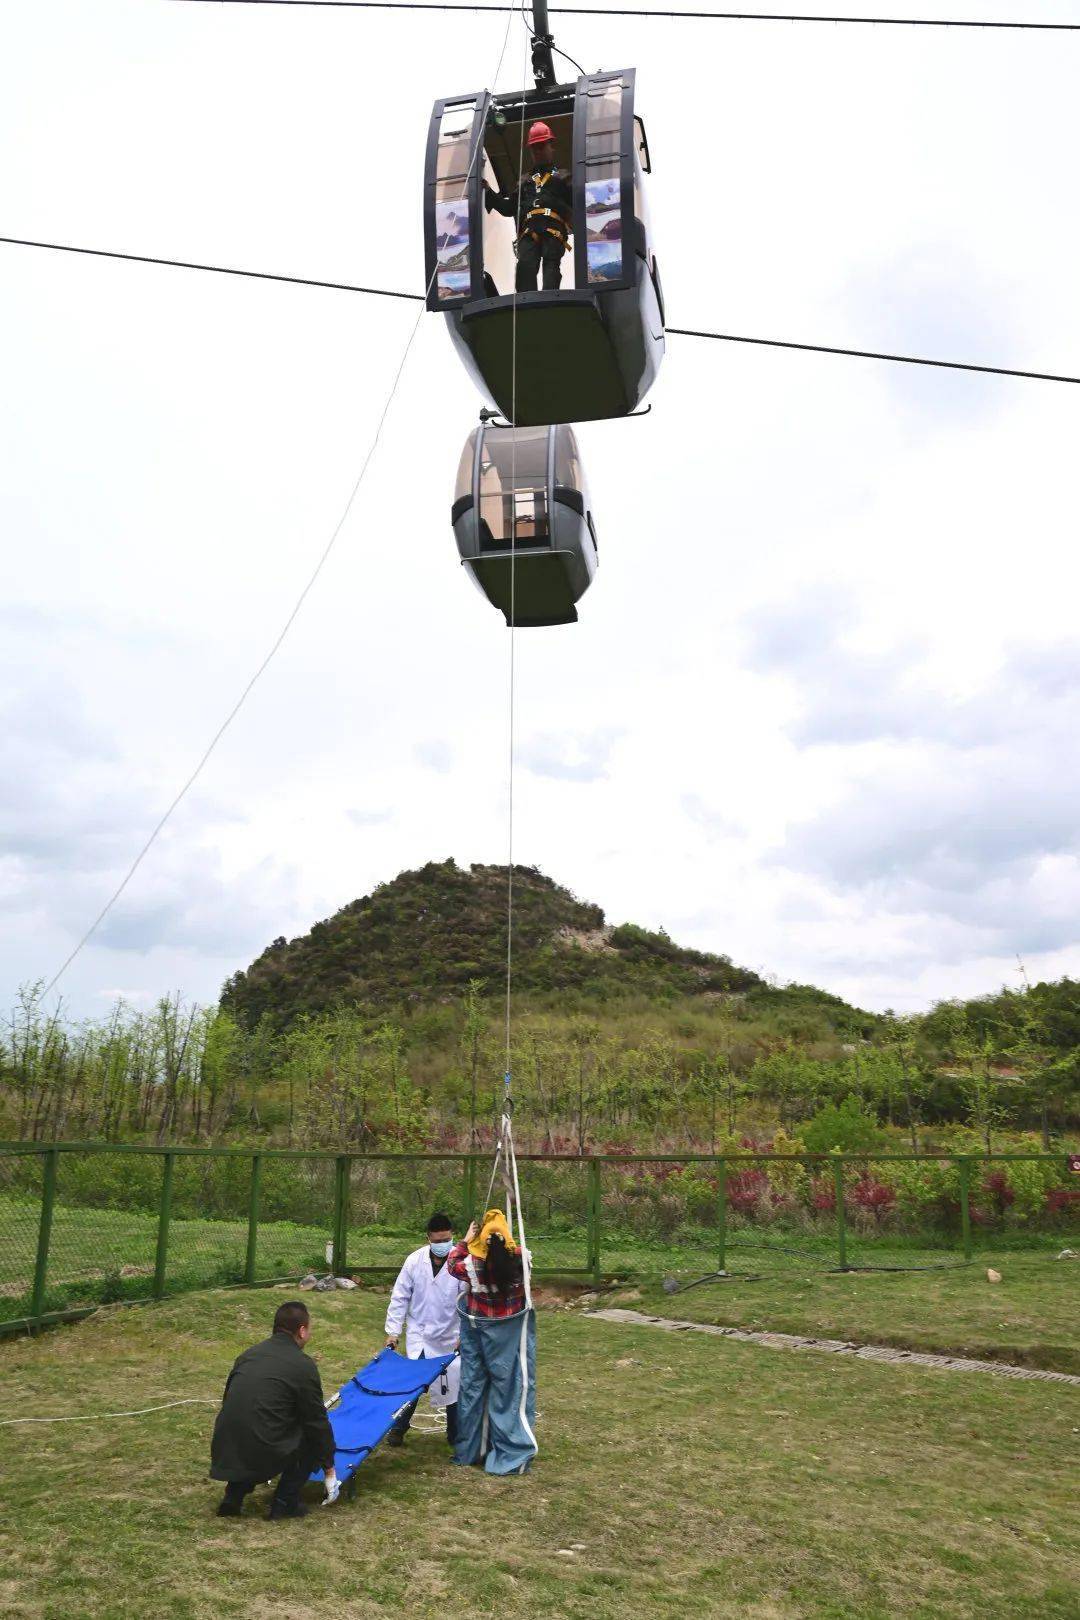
{"x": 644, "y": 11}
{"x": 872, "y": 354}
{"x": 672, "y": 331}
{"x": 297, "y": 606}
{"x": 212, "y": 269}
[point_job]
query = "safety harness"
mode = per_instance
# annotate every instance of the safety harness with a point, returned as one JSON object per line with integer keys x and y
{"x": 505, "y": 1171}
{"x": 554, "y": 223}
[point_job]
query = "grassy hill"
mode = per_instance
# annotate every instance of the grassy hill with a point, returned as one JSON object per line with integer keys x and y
{"x": 384, "y": 1024}
{"x": 427, "y": 934}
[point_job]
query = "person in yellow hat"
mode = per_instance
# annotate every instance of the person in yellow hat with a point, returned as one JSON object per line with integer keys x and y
{"x": 497, "y": 1399}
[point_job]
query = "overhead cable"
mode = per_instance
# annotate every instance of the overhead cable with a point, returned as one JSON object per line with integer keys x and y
{"x": 642, "y": 11}
{"x": 873, "y": 354}
{"x": 214, "y": 269}
{"x": 672, "y": 331}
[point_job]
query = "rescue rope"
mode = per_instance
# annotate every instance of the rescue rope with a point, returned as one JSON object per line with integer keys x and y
{"x": 96, "y": 1417}
{"x": 513, "y": 618}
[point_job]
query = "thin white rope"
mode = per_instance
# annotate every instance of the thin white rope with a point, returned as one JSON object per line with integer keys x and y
{"x": 100, "y": 1417}
{"x": 526, "y": 1273}
{"x": 495, "y": 1165}
{"x": 513, "y": 601}
{"x": 526, "y": 1258}
{"x": 293, "y": 615}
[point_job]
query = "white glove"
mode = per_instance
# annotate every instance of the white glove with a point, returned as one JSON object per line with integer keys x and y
{"x": 333, "y": 1487}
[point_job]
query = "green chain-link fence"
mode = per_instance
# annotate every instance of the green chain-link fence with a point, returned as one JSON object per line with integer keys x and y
{"x": 85, "y": 1224}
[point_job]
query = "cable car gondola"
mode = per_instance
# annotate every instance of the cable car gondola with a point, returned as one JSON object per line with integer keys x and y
{"x": 591, "y": 348}
{"x": 522, "y": 521}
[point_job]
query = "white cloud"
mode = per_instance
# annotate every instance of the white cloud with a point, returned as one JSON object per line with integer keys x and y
{"x": 569, "y": 758}
{"x": 436, "y": 754}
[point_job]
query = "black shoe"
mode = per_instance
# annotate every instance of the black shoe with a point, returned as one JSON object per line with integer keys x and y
{"x": 396, "y": 1437}
{"x": 228, "y": 1509}
{"x": 287, "y": 1510}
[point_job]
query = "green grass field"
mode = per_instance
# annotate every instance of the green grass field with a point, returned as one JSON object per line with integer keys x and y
{"x": 678, "y": 1475}
{"x": 1030, "y": 1318}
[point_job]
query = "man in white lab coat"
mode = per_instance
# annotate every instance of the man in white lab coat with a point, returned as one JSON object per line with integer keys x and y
{"x": 424, "y": 1302}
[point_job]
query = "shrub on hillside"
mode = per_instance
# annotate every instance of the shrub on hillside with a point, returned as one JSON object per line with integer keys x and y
{"x": 927, "y": 1190}
{"x": 1028, "y": 1184}
{"x": 848, "y": 1126}
{"x": 788, "y": 1180}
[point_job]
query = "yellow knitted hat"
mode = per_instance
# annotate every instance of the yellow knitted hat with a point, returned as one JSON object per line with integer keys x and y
{"x": 494, "y": 1222}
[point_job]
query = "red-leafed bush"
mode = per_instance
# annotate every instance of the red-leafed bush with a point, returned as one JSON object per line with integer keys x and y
{"x": 873, "y": 1196}
{"x": 822, "y": 1194}
{"x": 746, "y": 1189}
{"x": 997, "y": 1189}
{"x": 1063, "y": 1201}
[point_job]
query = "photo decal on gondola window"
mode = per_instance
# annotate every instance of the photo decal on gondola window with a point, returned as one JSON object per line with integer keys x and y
{"x": 452, "y": 247}
{"x": 603, "y": 229}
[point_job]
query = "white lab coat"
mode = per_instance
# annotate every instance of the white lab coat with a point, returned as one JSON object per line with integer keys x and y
{"x": 427, "y": 1308}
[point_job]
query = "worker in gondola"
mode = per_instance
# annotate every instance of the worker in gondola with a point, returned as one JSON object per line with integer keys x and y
{"x": 497, "y": 1399}
{"x": 542, "y": 205}
{"x": 424, "y": 1302}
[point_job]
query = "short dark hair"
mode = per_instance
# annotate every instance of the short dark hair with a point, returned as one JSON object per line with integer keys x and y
{"x": 440, "y": 1222}
{"x": 291, "y": 1316}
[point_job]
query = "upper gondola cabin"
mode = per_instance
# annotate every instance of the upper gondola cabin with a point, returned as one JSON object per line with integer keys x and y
{"x": 591, "y": 347}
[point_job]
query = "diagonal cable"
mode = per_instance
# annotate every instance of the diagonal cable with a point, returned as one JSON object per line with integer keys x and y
{"x": 289, "y": 622}
{"x": 647, "y": 11}
{"x": 672, "y": 331}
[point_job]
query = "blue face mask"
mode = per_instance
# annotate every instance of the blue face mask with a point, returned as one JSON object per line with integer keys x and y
{"x": 441, "y": 1250}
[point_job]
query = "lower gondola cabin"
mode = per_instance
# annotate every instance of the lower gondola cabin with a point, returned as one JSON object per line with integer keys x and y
{"x": 523, "y": 524}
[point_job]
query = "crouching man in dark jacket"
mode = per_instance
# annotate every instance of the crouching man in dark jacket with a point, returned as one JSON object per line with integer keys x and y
{"x": 273, "y": 1421}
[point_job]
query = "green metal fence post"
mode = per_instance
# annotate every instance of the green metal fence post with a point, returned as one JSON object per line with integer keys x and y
{"x": 721, "y": 1213}
{"x": 341, "y": 1214}
{"x": 253, "y": 1217}
{"x": 593, "y": 1260}
{"x": 164, "y": 1217}
{"x": 841, "y": 1215}
{"x": 965, "y": 1205}
{"x": 48, "y": 1199}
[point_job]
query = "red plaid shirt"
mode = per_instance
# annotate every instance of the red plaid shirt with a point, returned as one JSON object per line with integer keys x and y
{"x": 482, "y": 1298}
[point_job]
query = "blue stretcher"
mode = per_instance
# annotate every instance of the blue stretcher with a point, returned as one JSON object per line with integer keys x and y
{"x": 363, "y": 1411}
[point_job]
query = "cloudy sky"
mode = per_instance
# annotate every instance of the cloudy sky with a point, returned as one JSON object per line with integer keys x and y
{"x": 821, "y": 708}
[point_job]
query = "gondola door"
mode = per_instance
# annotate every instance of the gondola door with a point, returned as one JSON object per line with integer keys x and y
{"x": 604, "y": 137}
{"x": 453, "y": 213}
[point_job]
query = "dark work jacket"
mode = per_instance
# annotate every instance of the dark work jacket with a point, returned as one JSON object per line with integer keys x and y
{"x": 272, "y": 1408}
{"x": 555, "y": 193}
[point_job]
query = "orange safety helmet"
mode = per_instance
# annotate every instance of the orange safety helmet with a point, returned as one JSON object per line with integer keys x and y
{"x": 539, "y": 134}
